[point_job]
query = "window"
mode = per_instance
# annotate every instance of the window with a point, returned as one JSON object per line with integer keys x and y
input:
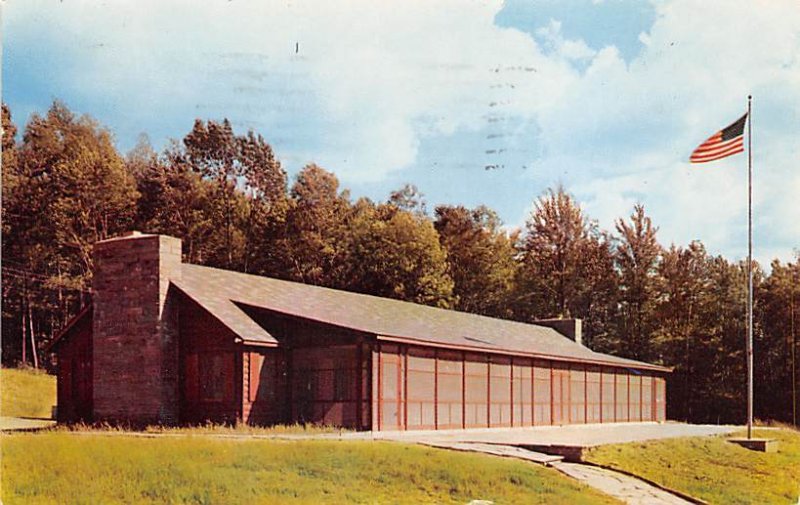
{"x": 215, "y": 372}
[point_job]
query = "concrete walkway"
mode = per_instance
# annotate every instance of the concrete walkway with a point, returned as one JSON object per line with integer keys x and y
{"x": 583, "y": 435}
{"x": 24, "y": 424}
{"x": 623, "y": 487}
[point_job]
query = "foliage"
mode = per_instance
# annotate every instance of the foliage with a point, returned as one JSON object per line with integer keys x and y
{"x": 778, "y": 321}
{"x": 226, "y": 195}
{"x": 249, "y": 187}
{"x": 409, "y": 198}
{"x": 314, "y": 244}
{"x": 70, "y": 189}
{"x": 25, "y": 392}
{"x": 713, "y": 469}
{"x": 175, "y": 200}
{"x": 566, "y": 267}
{"x": 40, "y": 468}
{"x": 396, "y": 254}
{"x": 637, "y": 254}
{"x": 480, "y": 258}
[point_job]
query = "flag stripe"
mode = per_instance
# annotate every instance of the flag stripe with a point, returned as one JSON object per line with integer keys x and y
{"x": 706, "y": 160}
{"x": 724, "y": 143}
{"x": 718, "y": 149}
{"x": 704, "y": 147}
{"x": 733, "y": 150}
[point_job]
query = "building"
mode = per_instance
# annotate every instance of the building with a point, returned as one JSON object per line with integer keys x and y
{"x": 173, "y": 343}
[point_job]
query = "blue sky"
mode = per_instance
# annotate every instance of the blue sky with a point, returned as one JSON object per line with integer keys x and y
{"x": 607, "y": 97}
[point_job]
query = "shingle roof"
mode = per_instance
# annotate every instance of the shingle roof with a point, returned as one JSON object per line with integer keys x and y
{"x": 219, "y": 292}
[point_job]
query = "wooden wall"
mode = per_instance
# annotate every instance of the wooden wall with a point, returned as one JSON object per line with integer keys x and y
{"x": 419, "y": 388}
{"x": 207, "y": 346}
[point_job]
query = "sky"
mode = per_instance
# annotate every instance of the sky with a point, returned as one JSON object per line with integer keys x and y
{"x": 474, "y": 102}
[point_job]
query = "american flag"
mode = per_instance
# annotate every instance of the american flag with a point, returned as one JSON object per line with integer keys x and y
{"x": 724, "y": 143}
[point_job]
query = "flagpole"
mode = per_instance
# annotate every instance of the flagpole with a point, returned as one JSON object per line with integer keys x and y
{"x": 749, "y": 267}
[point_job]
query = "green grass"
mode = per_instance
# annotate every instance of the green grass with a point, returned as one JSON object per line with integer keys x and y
{"x": 713, "y": 469}
{"x": 62, "y": 467}
{"x": 25, "y": 392}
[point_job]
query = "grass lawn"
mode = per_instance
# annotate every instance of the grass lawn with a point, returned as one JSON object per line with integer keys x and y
{"x": 62, "y": 467}
{"x": 712, "y": 469}
{"x": 25, "y": 392}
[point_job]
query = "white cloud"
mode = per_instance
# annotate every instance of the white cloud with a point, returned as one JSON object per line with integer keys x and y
{"x": 375, "y": 77}
{"x": 565, "y": 48}
{"x": 372, "y": 81}
{"x": 699, "y": 63}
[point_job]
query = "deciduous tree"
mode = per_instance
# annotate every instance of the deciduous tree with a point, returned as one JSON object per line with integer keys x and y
{"x": 637, "y": 255}
{"x": 480, "y": 259}
{"x": 565, "y": 266}
{"x": 396, "y": 253}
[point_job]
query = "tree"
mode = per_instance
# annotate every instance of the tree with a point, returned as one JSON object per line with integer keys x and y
{"x": 719, "y": 382}
{"x": 480, "y": 259}
{"x": 565, "y": 266}
{"x": 78, "y": 180}
{"x": 682, "y": 304}
{"x": 636, "y": 256}
{"x": 777, "y": 314}
{"x": 315, "y": 242}
{"x": 396, "y": 254}
{"x": 8, "y": 161}
{"x": 12, "y": 306}
{"x": 250, "y": 187}
{"x": 409, "y": 198}
{"x": 70, "y": 189}
{"x": 176, "y": 200}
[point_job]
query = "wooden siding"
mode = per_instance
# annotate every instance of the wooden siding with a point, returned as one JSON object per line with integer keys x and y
{"x": 204, "y": 343}
{"x": 422, "y": 388}
{"x": 320, "y": 374}
{"x": 327, "y": 387}
{"x": 263, "y": 386}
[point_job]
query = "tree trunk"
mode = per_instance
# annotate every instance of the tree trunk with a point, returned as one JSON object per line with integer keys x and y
{"x": 33, "y": 337}
{"x": 22, "y": 332}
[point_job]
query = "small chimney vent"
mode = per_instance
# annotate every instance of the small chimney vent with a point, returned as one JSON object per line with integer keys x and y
{"x": 570, "y": 328}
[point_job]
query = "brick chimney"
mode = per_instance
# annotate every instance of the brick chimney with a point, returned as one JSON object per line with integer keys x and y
{"x": 134, "y": 342}
{"x": 570, "y": 328}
